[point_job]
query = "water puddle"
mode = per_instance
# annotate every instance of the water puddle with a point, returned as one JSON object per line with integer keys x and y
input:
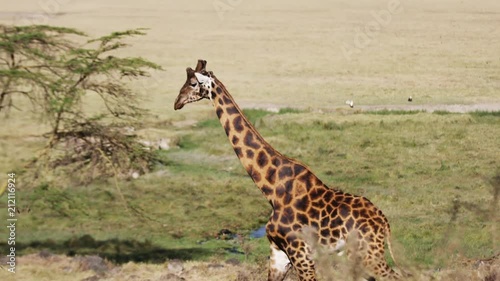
{"x": 258, "y": 233}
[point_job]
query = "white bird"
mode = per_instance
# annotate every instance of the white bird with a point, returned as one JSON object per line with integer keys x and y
{"x": 410, "y": 99}
{"x": 350, "y": 103}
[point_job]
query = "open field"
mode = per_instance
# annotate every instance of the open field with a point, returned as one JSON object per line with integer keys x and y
{"x": 431, "y": 174}
{"x": 434, "y": 174}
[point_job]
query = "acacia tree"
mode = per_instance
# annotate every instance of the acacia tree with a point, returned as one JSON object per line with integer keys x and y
{"x": 50, "y": 67}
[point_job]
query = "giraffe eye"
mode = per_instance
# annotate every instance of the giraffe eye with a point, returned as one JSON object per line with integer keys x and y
{"x": 194, "y": 84}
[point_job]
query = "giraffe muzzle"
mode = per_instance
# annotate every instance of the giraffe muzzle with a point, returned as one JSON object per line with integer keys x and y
{"x": 179, "y": 103}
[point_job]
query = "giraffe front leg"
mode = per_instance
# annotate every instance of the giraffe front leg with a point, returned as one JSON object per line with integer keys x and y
{"x": 279, "y": 264}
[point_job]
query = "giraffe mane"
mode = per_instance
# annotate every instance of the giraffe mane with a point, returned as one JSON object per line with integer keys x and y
{"x": 244, "y": 117}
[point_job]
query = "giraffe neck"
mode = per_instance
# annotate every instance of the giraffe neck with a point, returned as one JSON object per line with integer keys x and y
{"x": 268, "y": 168}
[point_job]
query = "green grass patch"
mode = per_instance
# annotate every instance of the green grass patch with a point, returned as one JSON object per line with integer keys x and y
{"x": 481, "y": 113}
{"x": 209, "y": 123}
{"x": 442, "y": 112}
{"x": 254, "y": 115}
{"x": 393, "y": 112}
{"x": 187, "y": 142}
{"x": 286, "y": 110}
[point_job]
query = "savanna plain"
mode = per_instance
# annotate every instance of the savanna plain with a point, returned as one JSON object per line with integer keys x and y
{"x": 431, "y": 165}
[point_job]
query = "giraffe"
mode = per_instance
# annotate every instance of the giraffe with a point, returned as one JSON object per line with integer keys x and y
{"x": 299, "y": 199}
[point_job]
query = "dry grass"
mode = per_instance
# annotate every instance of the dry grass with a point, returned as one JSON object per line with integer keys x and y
{"x": 284, "y": 53}
{"x": 46, "y": 267}
{"x": 41, "y": 267}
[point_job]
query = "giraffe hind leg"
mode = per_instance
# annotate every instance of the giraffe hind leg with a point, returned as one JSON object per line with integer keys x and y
{"x": 376, "y": 265}
{"x": 301, "y": 258}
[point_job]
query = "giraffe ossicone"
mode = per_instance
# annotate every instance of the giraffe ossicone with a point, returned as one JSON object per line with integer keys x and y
{"x": 301, "y": 202}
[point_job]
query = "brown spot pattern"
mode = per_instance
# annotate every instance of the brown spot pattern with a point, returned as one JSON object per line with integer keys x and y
{"x": 300, "y": 199}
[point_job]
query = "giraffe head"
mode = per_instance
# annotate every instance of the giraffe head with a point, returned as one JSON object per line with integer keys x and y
{"x": 199, "y": 84}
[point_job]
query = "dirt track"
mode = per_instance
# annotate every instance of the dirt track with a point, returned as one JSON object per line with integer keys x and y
{"x": 457, "y": 108}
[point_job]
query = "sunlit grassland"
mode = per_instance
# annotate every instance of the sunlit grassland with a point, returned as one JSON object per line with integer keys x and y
{"x": 413, "y": 167}
{"x": 429, "y": 173}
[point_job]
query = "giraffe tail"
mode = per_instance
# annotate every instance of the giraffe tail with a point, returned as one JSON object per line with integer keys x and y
{"x": 389, "y": 246}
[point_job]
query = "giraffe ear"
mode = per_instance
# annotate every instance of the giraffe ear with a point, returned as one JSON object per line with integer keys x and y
{"x": 202, "y": 79}
{"x": 201, "y": 65}
{"x": 189, "y": 72}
